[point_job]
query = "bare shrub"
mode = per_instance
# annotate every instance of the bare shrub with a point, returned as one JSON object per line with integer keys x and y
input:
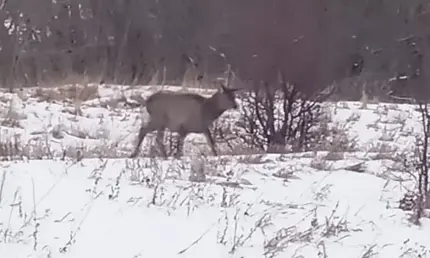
{"x": 197, "y": 170}
{"x": 354, "y": 117}
{"x": 14, "y": 113}
{"x": 12, "y": 123}
{"x": 70, "y": 93}
{"x": 387, "y": 136}
{"x": 423, "y": 179}
{"x": 10, "y": 147}
{"x": 385, "y": 156}
{"x": 383, "y": 147}
{"x": 359, "y": 167}
{"x": 253, "y": 159}
{"x": 320, "y": 163}
{"x": 335, "y": 138}
{"x": 334, "y": 156}
{"x": 420, "y": 168}
{"x": 279, "y": 118}
{"x": 223, "y": 133}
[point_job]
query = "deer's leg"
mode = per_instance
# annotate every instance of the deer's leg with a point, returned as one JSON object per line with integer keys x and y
{"x": 210, "y": 141}
{"x": 144, "y": 130}
{"x": 160, "y": 142}
{"x": 180, "y": 146}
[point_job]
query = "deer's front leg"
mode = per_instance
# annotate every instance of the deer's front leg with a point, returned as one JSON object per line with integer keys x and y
{"x": 210, "y": 141}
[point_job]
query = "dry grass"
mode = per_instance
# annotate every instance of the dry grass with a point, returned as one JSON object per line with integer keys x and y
{"x": 70, "y": 93}
{"x": 13, "y": 148}
{"x": 10, "y": 148}
{"x": 335, "y": 156}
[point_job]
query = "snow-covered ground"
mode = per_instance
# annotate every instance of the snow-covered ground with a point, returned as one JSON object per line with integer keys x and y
{"x": 292, "y": 205}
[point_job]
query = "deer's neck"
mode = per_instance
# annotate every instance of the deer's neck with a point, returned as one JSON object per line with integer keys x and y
{"x": 212, "y": 110}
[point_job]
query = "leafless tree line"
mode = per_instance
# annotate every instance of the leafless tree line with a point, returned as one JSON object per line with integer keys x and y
{"x": 313, "y": 43}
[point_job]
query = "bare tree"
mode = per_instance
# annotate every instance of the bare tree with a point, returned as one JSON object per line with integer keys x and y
{"x": 417, "y": 165}
{"x": 274, "y": 116}
{"x": 423, "y": 200}
{"x": 128, "y": 41}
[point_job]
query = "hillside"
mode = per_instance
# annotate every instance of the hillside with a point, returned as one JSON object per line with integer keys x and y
{"x": 68, "y": 190}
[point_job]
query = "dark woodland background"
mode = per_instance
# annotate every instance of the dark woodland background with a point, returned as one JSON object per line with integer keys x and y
{"x": 383, "y": 44}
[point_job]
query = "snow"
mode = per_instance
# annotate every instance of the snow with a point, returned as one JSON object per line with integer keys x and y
{"x": 277, "y": 205}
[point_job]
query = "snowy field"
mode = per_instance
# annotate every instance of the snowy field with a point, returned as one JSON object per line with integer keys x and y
{"x": 68, "y": 190}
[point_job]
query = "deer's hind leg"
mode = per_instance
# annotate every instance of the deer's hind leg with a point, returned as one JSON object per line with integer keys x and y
{"x": 144, "y": 130}
{"x": 180, "y": 146}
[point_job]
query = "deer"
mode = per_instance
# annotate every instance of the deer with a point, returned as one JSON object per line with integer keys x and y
{"x": 184, "y": 113}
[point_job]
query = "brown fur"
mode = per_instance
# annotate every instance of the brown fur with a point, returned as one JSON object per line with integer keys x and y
{"x": 184, "y": 113}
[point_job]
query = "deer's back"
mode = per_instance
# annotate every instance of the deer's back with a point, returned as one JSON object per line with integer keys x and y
{"x": 177, "y": 111}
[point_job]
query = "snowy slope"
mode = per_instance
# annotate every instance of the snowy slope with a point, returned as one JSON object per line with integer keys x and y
{"x": 295, "y": 205}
